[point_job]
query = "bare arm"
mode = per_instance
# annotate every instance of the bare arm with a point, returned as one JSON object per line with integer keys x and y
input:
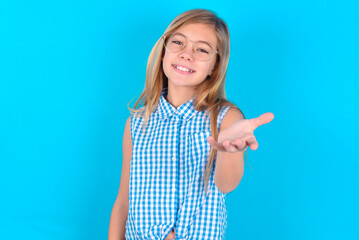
{"x": 229, "y": 166}
{"x": 235, "y": 135}
{"x": 119, "y": 212}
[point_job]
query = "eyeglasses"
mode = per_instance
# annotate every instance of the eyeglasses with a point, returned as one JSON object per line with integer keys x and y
{"x": 201, "y": 50}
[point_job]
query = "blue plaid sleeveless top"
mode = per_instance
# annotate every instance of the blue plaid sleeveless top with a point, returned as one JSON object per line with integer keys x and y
{"x": 166, "y": 176}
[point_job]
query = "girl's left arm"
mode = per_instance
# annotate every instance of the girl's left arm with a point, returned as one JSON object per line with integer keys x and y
{"x": 235, "y": 135}
{"x": 229, "y": 166}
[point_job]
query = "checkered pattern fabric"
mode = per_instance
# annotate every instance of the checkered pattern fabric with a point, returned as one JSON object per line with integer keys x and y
{"x": 166, "y": 191}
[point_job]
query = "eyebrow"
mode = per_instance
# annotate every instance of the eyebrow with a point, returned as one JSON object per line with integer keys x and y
{"x": 201, "y": 41}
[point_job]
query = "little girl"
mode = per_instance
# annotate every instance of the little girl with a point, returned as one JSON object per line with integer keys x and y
{"x": 183, "y": 143}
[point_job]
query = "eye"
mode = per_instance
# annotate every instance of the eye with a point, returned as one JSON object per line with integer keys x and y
{"x": 177, "y": 42}
{"x": 201, "y": 50}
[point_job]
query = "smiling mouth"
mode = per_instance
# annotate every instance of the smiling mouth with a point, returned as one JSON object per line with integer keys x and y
{"x": 184, "y": 69}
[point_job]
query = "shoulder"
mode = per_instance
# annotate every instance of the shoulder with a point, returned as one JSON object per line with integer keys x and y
{"x": 232, "y": 115}
{"x": 128, "y": 121}
{"x": 128, "y": 124}
{"x": 127, "y": 139}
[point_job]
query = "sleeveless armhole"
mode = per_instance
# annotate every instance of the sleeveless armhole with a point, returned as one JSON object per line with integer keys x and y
{"x": 222, "y": 113}
{"x": 132, "y": 126}
{"x": 137, "y": 121}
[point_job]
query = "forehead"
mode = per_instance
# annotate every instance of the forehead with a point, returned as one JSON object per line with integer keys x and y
{"x": 199, "y": 32}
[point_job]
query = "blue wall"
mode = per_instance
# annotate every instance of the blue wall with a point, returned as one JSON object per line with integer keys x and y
{"x": 69, "y": 68}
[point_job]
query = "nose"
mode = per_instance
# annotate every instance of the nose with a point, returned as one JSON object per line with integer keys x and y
{"x": 187, "y": 52}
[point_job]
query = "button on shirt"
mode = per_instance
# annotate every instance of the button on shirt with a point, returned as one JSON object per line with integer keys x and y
{"x": 168, "y": 162}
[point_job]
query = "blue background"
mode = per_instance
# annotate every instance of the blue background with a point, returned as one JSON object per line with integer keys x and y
{"x": 69, "y": 68}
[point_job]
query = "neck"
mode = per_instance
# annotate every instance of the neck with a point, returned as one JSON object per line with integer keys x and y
{"x": 179, "y": 96}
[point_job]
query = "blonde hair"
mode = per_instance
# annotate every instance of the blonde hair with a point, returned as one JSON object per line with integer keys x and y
{"x": 211, "y": 93}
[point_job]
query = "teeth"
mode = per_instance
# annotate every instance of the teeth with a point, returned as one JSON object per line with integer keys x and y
{"x": 183, "y": 69}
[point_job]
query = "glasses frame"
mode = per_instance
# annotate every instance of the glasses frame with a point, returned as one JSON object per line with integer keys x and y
{"x": 184, "y": 46}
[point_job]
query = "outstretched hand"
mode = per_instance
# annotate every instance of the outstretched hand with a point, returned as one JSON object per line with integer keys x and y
{"x": 239, "y": 135}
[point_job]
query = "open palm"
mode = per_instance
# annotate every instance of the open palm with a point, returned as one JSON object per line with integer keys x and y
{"x": 239, "y": 135}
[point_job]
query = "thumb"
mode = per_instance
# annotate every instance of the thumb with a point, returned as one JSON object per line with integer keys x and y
{"x": 262, "y": 119}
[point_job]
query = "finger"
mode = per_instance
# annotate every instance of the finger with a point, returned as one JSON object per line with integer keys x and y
{"x": 249, "y": 140}
{"x": 237, "y": 142}
{"x": 238, "y": 146}
{"x": 230, "y": 147}
{"x": 261, "y": 120}
{"x": 240, "y": 143}
{"x": 252, "y": 143}
{"x": 243, "y": 149}
{"x": 225, "y": 146}
{"x": 242, "y": 146}
{"x": 215, "y": 144}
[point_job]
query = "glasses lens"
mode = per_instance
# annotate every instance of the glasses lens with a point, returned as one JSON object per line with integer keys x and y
{"x": 176, "y": 43}
{"x": 202, "y": 51}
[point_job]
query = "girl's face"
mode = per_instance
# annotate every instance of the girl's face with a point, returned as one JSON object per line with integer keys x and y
{"x": 182, "y": 68}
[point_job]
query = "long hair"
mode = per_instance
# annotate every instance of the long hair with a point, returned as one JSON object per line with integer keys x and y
{"x": 211, "y": 93}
